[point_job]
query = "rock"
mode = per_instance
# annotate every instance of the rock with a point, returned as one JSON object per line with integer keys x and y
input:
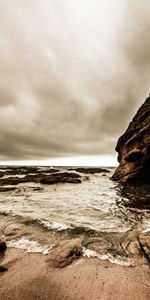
{"x": 133, "y": 149}
{"x": 90, "y": 170}
{"x": 3, "y": 246}
{"x": 133, "y": 248}
{"x": 26, "y": 171}
{"x": 65, "y": 252}
{"x": 12, "y": 230}
{"x": 37, "y": 189}
{"x": 134, "y": 196}
{"x": 7, "y": 189}
{"x": 64, "y": 177}
{"x": 12, "y": 181}
{"x": 43, "y": 178}
{"x": 144, "y": 241}
{"x": 52, "y": 170}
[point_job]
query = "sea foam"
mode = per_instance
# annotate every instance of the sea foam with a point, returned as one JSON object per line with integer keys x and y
{"x": 29, "y": 246}
{"x": 54, "y": 225}
{"x": 121, "y": 261}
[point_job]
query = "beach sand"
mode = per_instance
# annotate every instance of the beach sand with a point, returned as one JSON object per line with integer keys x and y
{"x": 31, "y": 276}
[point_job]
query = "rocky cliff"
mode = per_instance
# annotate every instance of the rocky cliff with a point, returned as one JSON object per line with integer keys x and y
{"x": 133, "y": 148}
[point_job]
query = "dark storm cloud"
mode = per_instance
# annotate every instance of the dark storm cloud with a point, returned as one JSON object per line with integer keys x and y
{"x": 72, "y": 75}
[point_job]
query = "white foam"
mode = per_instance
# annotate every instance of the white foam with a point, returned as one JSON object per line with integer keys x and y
{"x": 59, "y": 226}
{"x": 54, "y": 225}
{"x": 14, "y": 176}
{"x": 146, "y": 226}
{"x": 146, "y": 230}
{"x": 29, "y": 246}
{"x": 122, "y": 261}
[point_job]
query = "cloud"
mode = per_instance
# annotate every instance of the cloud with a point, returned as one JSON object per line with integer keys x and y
{"x": 72, "y": 75}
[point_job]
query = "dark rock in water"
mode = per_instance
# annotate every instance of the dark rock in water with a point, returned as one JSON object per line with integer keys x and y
{"x": 62, "y": 178}
{"x": 3, "y": 269}
{"x": 37, "y": 189}
{"x": 133, "y": 149}
{"x": 64, "y": 254}
{"x": 27, "y": 170}
{"x": 12, "y": 181}
{"x": 90, "y": 170}
{"x": 7, "y": 189}
{"x": 134, "y": 195}
{"x": 52, "y": 170}
{"x": 3, "y": 246}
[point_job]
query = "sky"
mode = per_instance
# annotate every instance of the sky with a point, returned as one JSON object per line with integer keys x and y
{"x": 73, "y": 74}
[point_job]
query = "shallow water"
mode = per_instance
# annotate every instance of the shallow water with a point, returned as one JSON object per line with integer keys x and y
{"x": 96, "y": 206}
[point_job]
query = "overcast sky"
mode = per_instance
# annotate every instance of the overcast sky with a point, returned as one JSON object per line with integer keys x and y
{"x": 72, "y": 75}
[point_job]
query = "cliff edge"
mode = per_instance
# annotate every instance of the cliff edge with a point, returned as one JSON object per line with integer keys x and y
{"x": 133, "y": 149}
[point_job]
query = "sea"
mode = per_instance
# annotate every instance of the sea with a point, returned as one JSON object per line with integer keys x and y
{"x": 35, "y": 216}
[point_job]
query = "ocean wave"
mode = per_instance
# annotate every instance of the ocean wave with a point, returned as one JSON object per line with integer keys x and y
{"x": 68, "y": 228}
{"x": 54, "y": 225}
{"x": 49, "y": 225}
{"x": 121, "y": 261}
{"x": 31, "y": 246}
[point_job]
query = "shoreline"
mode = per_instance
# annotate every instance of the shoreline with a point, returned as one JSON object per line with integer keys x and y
{"x": 32, "y": 276}
{"x": 77, "y": 263}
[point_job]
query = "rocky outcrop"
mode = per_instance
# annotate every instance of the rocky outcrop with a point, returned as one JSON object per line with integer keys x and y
{"x": 133, "y": 149}
{"x": 144, "y": 241}
{"x": 65, "y": 252}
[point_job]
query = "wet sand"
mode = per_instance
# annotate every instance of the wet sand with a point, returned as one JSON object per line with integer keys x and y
{"x": 31, "y": 276}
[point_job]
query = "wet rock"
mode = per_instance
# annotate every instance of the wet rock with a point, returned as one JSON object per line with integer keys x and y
{"x": 28, "y": 170}
{"x": 64, "y": 177}
{"x": 11, "y": 181}
{"x": 134, "y": 196}
{"x": 43, "y": 178}
{"x": 12, "y": 230}
{"x": 141, "y": 202}
{"x": 90, "y": 170}
{"x": 99, "y": 244}
{"x": 65, "y": 252}
{"x": 133, "y": 149}
{"x": 52, "y": 170}
{"x": 7, "y": 189}
{"x": 37, "y": 189}
{"x": 133, "y": 247}
{"x": 144, "y": 241}
{"x": 3, "y": 246}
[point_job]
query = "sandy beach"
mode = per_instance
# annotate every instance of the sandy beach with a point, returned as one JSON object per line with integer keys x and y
{"x": 32, "y": 276}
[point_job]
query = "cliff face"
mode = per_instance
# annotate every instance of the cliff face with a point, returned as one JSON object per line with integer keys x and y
{"x": 133, "y": 148}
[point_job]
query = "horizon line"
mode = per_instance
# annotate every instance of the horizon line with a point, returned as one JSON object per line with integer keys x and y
{"x": 73, "y": 161}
